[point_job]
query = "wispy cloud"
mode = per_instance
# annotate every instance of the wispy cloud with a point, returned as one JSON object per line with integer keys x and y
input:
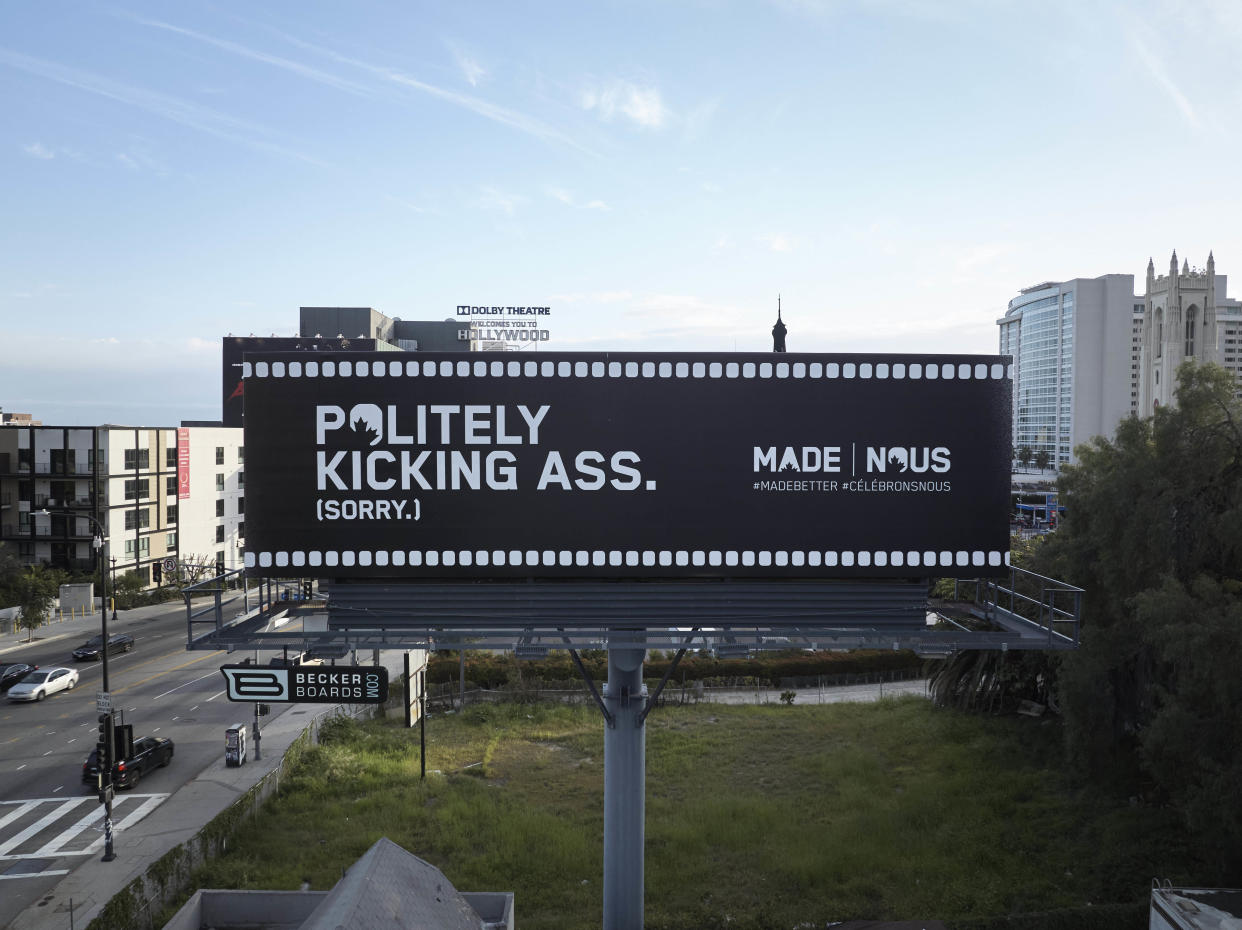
{"x": 469, "y": 66}
{"x": 776, "y": 242}
{"x": 557, "y": 193}
{"x": 643, "y": 106}
{"x": 190, "y": 115}
{"x": 39, "y": 150}
{"x": 492, "y": 199}
{"x": 276, "y": 61}
{"x": 497, "y": 114}
{"x": 1160, "y": 74}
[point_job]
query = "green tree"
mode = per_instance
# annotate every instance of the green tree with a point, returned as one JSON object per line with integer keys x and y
{"x": 128, "y": 589}
{"x": 1043, "y": 459}
{"x": 34, "y": 590}
{"x": 1024, "y": 456}
{"x": 1153, "y": 532}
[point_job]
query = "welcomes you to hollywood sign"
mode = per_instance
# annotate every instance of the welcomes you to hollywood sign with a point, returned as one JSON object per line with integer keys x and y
{"x": 627, "y": 465}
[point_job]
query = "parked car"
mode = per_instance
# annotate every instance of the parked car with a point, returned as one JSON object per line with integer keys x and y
{"x": 37, "y": 685}
{"x": 12, "y": 674}
{"x": 117, "y": 642}
{"x": 294, "y": 658}
{"x": 149, "y": 752}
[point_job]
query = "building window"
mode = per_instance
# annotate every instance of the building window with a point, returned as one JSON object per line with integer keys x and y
{"x": 171, "y": 514}
{"x": 144, "y": 545}
{"x": 137, "y": 458}
{"x": 129, "y": 548}
{"x": 137, "y": 489}
{"x": 219, "y": 455}
{"x": 241, "y": 455}
{"x": 241, "y": 531}
{"x": 137, "y": 519}
{"x": 219, "y": 508}
{"x": 241, "y": 505}
{"x": 1190, "y": 336}
{"x": 219, "y": 534}
{"x": 220, "y": 561}
{"x": 241, "y": 479}
{"x": 170, "y": 542}
{"x": 170, "y": 457}
{"x": 219, "y": 482}
{"x": 170, "y": 486}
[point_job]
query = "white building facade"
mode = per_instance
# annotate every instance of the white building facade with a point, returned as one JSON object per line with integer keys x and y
{"x": 211, "y": 496}
{"x": 1076, "y": 359}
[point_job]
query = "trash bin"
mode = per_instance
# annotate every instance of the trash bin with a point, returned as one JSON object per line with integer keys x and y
{"x": 235, "y": 745}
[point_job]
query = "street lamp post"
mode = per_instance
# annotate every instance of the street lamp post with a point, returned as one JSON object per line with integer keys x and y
{"x": 105, "y": 764}
{"x": 113, "y": 561}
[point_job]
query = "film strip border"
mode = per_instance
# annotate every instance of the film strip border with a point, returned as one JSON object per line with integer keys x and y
{"x": 564, "y": 368}
{"x": 629, "y": 558}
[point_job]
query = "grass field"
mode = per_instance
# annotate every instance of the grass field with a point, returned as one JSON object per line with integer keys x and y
{"x": 768, "y": 816}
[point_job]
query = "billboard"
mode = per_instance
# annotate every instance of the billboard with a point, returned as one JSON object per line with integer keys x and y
{"x": 626, "y": 465}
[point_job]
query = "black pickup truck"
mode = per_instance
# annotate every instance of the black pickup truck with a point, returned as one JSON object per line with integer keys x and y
{"x": 149, "y": 752}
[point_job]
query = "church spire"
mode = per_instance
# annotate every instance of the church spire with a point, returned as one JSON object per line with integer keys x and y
{"x": 779, "y": 330}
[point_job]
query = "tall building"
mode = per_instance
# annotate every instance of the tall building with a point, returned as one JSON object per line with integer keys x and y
{"x": 159, "y": 493}
{"x": 1186, "y": 316}
{"x": 123, "y": 477}
{"x": 1076, "y": 356}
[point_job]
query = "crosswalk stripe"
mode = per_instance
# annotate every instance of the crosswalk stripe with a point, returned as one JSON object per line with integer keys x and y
{"x": 53, "y": 848}
{"x": 145, "y": 807}
{"x": 41, "y": 824}
{"x": 22, "y": 807}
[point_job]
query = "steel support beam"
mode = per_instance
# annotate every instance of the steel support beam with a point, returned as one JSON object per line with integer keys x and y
{"x": 625, "y": 777}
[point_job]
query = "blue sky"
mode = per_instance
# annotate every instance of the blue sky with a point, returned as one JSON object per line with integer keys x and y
{"x": 655, "y": 172}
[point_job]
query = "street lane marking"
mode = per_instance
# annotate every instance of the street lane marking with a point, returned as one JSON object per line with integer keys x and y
{"x": 216, "y": 695}
{"x": 206, "y": 655}
{"x": 20, "y": 810}
{"x": 182, "y": 685}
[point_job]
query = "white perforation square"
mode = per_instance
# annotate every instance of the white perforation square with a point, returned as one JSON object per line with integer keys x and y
{"x": 831, "y": 559}
{"x": 681, "y": 557}
{"x": 682, "y": 370}
{"x": 666, "y": 369}
{"x": 564, "y": 369}
{"x": 346, "y": 369}
{"x": 715, "y": 370}
{"x": 666, "y": 558}
{"x": 430, "y": 369}
{"x": 446, "y": 369}
{"x": 765, "y": 369}
{"x": 548, "y": 369}
{"x": 832, "y": 370}
{"x": 748, "y": 558}
{"x": 631, "y": 369}
{"x": 864, "y": 370}
{"x": 261, "y": 369}
{"x": 765, "y": 558}
{"x": 799, "y": 369}
{"x": 782, "y": 369}
{"x": 732, "y": 369}
{"x": 748, "y": 369}
{"x": 278, "y": 369}
{"x": 848, "y": 370}
{"x": 614, "y": 369}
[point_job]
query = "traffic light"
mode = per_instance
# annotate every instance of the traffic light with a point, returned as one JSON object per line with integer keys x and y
{"x": 262, "y": 710}
{"x": 124, "y": 741}
{"x": 157, "y": 573}
{"x": 307, "y": 587}
{"x": 106, "y": 744}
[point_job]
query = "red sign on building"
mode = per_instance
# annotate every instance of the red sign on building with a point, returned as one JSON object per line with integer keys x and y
{"x": 183, "y": 464}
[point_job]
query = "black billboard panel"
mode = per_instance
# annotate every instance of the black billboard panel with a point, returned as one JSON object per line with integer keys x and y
{"x": 626, "y": 465}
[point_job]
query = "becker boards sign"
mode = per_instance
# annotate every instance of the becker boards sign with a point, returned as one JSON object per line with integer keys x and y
{"x": 604, "y": 465}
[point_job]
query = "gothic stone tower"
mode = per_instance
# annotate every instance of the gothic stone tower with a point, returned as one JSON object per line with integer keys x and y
{"x": 1179, "y": 323}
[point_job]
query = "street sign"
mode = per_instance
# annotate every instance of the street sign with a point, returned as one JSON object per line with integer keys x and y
{"x": 103, "y": 702}
{"x": 170, "y": 564}
{"x": 309, "y": 684}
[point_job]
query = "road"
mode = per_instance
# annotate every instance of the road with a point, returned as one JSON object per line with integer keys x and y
{"x": 49, "y": 818}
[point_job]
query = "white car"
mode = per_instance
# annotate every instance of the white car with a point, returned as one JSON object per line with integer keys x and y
{"x": 41, "y": 682}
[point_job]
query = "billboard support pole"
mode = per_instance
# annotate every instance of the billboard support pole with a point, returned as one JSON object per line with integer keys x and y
{"x": 625, "y": 763}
